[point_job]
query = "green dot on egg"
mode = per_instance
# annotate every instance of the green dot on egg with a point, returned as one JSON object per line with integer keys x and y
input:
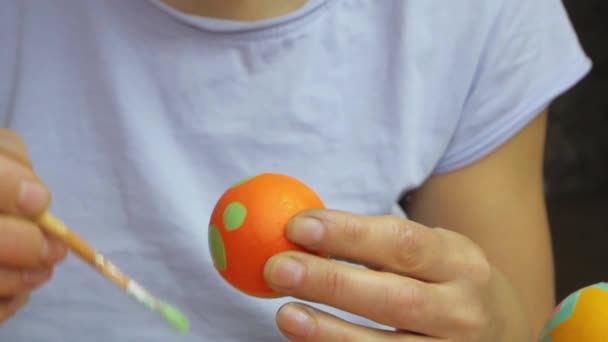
{"x": 234, "y": 216}
{"x": 216, "y": 246}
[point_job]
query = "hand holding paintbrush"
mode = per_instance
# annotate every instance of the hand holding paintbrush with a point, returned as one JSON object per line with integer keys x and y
{"x": 21, "y": 267}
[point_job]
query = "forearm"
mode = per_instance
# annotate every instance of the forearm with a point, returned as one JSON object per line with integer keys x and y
{"x": 498, "y": 203}
{"x": 517, "y": 244}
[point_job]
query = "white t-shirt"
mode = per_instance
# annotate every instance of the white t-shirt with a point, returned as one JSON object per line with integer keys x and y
{"x": 139, "y": 117}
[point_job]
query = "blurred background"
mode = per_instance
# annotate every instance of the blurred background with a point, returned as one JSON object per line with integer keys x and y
{"x": 576, "y": 165}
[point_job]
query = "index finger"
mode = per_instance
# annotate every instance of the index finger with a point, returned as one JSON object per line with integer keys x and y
{"x": 381, "y": 242}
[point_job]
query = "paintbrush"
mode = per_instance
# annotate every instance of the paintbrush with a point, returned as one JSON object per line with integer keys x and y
{"x": 54, "y": 227}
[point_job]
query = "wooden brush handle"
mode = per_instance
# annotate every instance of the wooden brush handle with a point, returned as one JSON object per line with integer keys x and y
{"x": 54, "y": 227}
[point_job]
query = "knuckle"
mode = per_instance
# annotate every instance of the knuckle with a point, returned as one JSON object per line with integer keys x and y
{"x": 470, "y": 321}
{"x": 479, "y": 268}
{"x": 336, "y": 283}
{"x": 408, "y": 245}
{"x": 353, "y": 232}
{"x": 472, "y": 260}
{"x": 404, "y": 304}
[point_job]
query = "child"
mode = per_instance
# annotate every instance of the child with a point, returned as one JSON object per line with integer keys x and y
{"x": 137, "y": 115}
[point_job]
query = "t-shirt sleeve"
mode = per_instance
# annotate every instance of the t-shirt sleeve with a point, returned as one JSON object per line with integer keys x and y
{"x": 531, "y": 55}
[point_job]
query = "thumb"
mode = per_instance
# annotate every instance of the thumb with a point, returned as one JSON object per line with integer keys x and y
{"x": 13, "y": 147}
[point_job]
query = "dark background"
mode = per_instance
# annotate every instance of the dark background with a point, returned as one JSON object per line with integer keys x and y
{"x": 576, "y": 165}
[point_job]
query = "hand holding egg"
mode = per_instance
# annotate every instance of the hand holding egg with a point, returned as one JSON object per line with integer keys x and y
{"x": 429, "y": 285}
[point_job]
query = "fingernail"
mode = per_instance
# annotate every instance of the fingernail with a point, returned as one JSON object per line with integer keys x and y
{"x": 35, "y": 276}
{"x": 286, "y": 272}
{"x": 32, "y": 197}
{"x": 306, "y": 231}
{"x": 296, "y": 321}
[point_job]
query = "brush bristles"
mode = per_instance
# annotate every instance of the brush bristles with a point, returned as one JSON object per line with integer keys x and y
{"x": 177, "y": 319}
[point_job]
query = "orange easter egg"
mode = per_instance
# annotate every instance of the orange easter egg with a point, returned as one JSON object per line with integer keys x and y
{"x": 248, "y": 224}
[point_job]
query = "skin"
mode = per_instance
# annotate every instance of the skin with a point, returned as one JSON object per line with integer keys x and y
{"x": 27, "y": 256}
{"x": 486, "y": 276}
{"x": 243, "y": 10}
